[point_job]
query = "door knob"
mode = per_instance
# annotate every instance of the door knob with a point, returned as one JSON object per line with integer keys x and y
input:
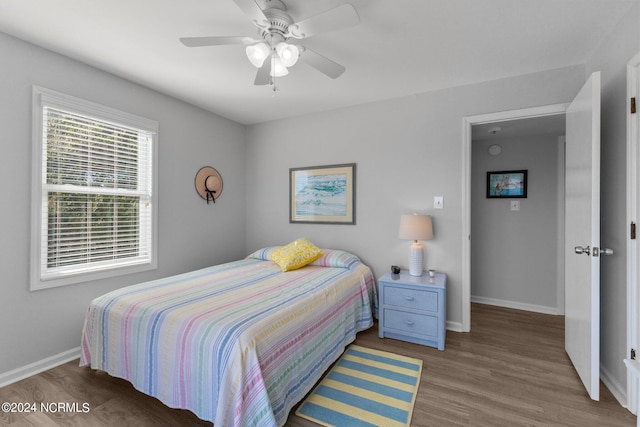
{"x": 596, "y": 251}
{"x": 580, "y": 250}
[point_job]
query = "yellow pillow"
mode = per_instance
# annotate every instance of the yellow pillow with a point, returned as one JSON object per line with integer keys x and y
{"x": 296, "y": 254}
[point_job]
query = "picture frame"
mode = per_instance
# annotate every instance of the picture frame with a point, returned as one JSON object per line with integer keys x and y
{"x": 323, "y": 194}
{"x": 507, "y": 184}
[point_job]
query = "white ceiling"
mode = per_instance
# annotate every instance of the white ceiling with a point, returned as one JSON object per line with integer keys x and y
{"x": 553, "y": 125}
{"x": 400, "y": 47}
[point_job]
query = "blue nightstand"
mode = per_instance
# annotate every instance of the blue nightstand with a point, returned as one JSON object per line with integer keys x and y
{"x": 413, "y": 308}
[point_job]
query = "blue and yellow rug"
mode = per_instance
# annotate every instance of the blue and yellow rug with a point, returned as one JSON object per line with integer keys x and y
{"x": 365, "y": 388}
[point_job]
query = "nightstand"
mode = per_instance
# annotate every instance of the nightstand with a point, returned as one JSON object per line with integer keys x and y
{"x": 413, "y": 308}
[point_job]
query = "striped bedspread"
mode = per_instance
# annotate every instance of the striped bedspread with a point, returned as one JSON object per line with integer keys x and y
{"x": 238, "y": 344}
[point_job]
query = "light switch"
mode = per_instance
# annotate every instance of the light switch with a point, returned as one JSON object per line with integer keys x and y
{"x": 438, "y": 202}
{"x": 515, "y": 205}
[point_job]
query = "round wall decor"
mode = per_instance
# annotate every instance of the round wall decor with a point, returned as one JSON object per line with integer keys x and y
{"x": 208, "y": 183}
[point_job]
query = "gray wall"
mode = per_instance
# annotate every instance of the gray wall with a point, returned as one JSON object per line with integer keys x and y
{"x": 515, "y": 254}
{"x": 41, "y": 324}
{"x": 611, "y": 59}
{"x": 407, "y": 151}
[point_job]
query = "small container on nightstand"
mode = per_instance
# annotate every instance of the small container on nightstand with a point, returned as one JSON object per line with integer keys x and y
{"x": 413, "y": 308}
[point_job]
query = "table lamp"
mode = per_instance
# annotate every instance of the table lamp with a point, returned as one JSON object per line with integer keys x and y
{"x": 416, "y": 227}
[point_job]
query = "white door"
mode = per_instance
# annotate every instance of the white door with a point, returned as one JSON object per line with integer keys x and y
{"x": 582, "y": 228}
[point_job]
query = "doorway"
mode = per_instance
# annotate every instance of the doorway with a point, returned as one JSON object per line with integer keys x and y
{"x": 468, "y": 124}
{"x": 582, "y": 204}
{"x": 517, "y": 250}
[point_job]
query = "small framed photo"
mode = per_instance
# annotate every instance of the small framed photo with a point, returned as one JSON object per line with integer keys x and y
{"x": 507, "y": 184}
{"x": 323, "y": 194}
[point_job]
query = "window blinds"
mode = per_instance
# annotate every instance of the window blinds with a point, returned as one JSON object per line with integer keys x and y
{"x": 96, "y": 190}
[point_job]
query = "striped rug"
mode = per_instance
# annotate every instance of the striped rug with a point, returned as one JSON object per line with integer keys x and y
{"x": 365, "y": 388}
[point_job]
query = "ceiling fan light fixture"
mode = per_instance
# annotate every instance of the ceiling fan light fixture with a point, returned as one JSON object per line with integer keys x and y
{"x": 277, "y": 67}
{"x": 288, "y": 53}
{"x": 257, "y": 53}
{"x": 275, "y": 27}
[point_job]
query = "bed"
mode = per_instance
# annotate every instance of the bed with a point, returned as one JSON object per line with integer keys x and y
{"x": 238, "y": 344}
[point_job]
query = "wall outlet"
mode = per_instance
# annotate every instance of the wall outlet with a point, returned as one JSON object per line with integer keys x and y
{"x": 515, "y": 205}
{"x": 438, "y": 202}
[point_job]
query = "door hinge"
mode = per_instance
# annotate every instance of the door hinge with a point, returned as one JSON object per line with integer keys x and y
{"x": 633, "y": 231}
{"x": 633, "y": 105}
{"x": 633, "y": 354}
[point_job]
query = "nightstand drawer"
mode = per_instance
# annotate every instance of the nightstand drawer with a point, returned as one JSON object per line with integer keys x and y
{"x": 414, "y": 323}
{"x": 411, "y": 298}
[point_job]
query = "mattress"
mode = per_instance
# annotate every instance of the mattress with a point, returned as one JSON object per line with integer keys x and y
{"x": 238, "y": 344}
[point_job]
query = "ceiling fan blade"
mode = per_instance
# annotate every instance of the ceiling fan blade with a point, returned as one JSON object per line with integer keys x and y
{"x": 263, "y": 76}
{"x": 215, "y": 41}
{"x": 322, "y": 63}
{"x": 253, "y": 11}
{"x": 333, "y": 19}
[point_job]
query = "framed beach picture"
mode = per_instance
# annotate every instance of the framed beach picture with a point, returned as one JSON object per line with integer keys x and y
{"x": 323, "y": 194}
{"x": 507, "y": 184}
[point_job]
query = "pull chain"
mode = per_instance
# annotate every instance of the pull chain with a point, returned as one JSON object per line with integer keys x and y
{"x": 273, "y": 78}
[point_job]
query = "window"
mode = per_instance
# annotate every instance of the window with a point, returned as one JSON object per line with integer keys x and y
{"x": 93, "y": 191}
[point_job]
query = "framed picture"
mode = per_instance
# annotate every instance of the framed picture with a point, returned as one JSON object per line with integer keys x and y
{"x": 507, "y": 184}
{"x": 323, "y": 194}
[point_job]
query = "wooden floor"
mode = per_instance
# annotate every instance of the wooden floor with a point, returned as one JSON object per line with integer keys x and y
{"x": 511, "y": 370}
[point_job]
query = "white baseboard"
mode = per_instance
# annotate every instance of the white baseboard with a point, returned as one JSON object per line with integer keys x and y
{"x": 454, "y": 326}
{"x": 515, "y": 305}
{"x": 31, "y": 369}
{"x": 619, "y": 392}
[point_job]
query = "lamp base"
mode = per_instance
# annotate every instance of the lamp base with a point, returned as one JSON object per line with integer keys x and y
{"x": 416, "y": 258}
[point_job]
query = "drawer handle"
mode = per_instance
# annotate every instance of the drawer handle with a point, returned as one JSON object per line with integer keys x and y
{"x": 408, "y": 322}
{"x": 409, "y": 298}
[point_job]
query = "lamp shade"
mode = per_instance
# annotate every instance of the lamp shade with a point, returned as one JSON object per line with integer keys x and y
{"x": 415, "y": 227}
{"x": 277, "y": 67}
{"x": 288, "y": 53}
{"x": 257, "y": 53}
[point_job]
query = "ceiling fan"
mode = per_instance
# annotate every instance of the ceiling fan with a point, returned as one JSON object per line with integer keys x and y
{"x": 272, "y": 53}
